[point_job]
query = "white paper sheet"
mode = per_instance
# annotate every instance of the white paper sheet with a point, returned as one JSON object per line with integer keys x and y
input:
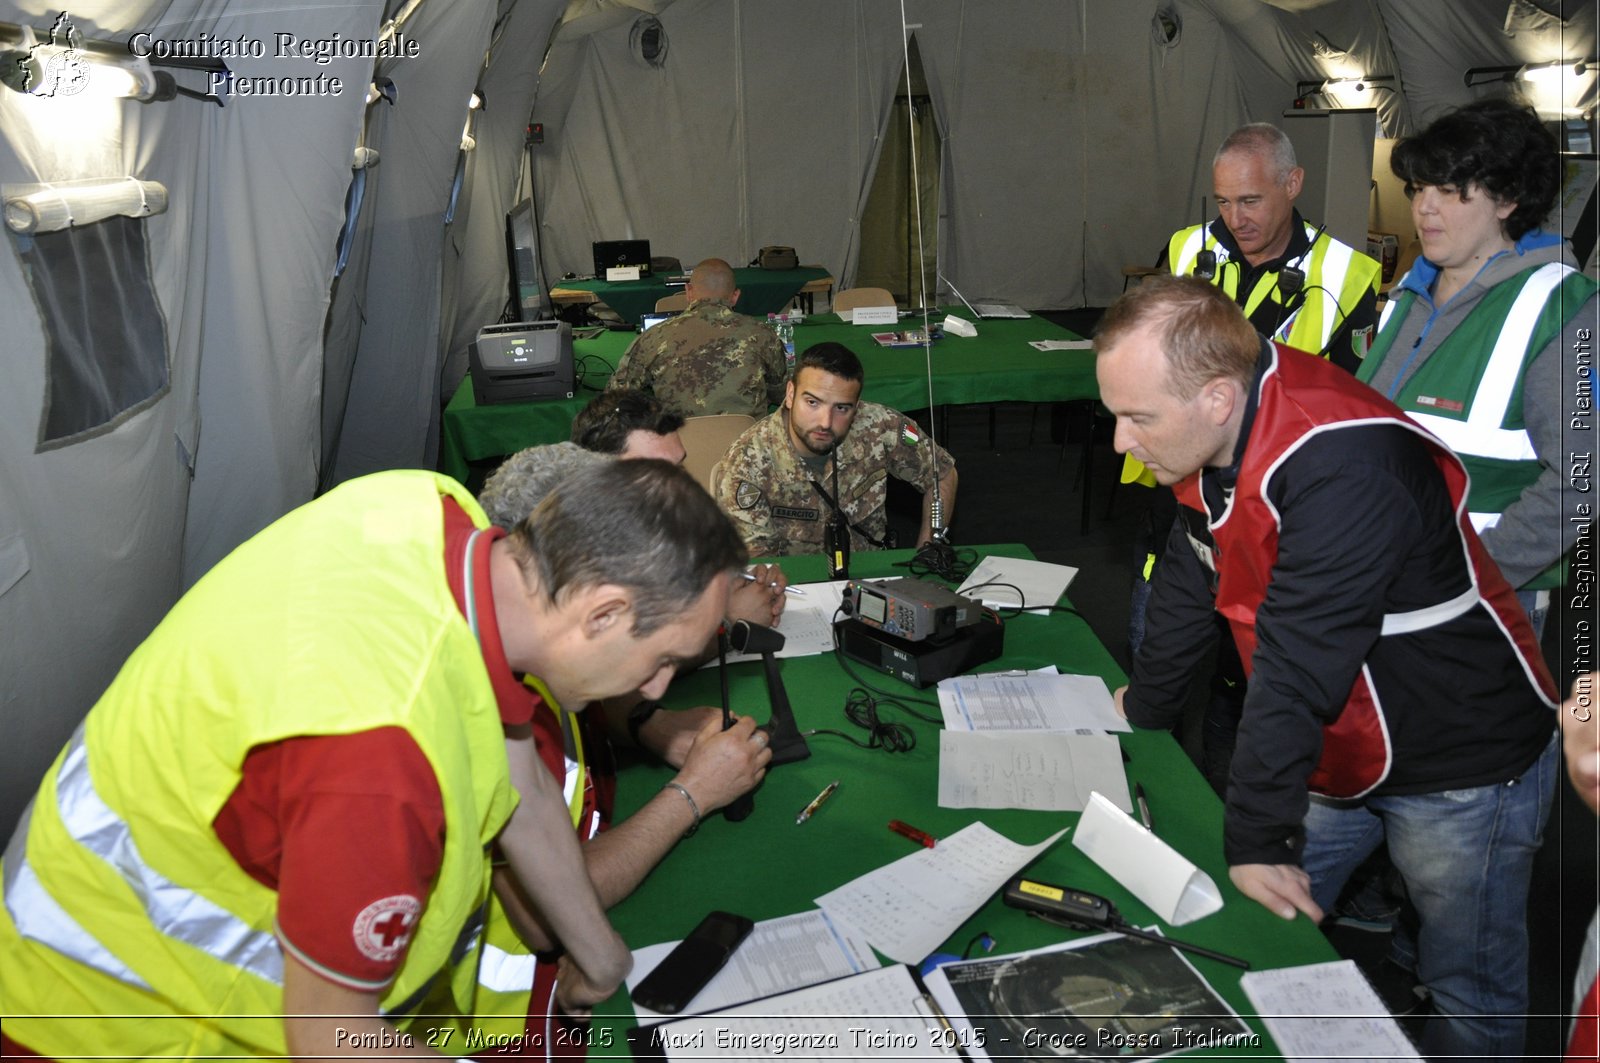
{"x": 1042, "y": 584}
{"x": 873, "y": 1015}
{"x": 1325, "y": 1011}
{"x": 806, "y": 623}
{"x": 1035, "y": 701}
{"x": 779, "y": 955}
{"x": 1153, "y": 871}
{"x": 906, "y": 909}
{"x": 1025, "y": 769}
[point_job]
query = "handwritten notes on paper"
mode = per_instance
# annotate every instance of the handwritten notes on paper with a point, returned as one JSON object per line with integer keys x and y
{"x": 807, "y": 622}
{"x": 779, "y": 955}
{"x": 1325, "y": 1011}
{"x": 1026, "y": 769}
{"x": 905, "y": 909}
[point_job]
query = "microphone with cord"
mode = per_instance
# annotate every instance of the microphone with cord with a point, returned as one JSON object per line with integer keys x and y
{"x": 741, "y": 807}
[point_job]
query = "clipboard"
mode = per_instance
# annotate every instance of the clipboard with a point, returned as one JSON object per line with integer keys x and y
{"x": 905, "y": 1023}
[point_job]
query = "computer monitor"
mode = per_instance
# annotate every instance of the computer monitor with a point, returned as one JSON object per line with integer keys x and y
{"x": 529, "y": 300}
{"x": 609, "y": 253}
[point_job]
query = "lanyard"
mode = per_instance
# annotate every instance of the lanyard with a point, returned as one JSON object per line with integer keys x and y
{"x": 838, "y": 510}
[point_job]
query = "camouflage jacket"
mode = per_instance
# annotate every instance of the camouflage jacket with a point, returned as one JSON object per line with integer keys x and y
{"x": 707, "y": 360}
{"x": 766, "y": 488}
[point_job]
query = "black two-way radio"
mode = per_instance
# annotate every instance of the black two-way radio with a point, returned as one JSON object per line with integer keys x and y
{"x": 1205, "y": 263}
{"x": 1081, "y": 910}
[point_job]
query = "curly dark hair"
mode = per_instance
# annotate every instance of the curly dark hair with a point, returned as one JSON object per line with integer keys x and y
{"x": 604, "y": 425}
{"x": 1500, "y": 146}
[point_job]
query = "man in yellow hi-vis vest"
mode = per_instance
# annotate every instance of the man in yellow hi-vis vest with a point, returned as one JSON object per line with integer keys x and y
{"x": 511, "y": 1010}
{"x": 1296, "y": 284}
{"x": 270, "y": 836}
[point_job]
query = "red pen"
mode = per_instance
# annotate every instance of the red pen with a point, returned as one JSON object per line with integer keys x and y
{"x": 922, "y": 838}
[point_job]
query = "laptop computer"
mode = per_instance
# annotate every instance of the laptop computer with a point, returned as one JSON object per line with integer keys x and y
{"x": 990, "y": 308}
{"x": 609, "y": 253}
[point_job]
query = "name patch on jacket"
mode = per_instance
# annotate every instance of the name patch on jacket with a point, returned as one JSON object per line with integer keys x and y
{"x": 791, "y": 513}
{"x": 1440, "y": 404}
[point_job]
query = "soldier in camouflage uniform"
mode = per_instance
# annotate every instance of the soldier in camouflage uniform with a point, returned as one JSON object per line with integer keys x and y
{"x": 708, "y": 359}
{"x": 824, "y": 443}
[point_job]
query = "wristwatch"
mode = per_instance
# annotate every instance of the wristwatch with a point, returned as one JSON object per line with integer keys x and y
{"x": 637, "y": 717}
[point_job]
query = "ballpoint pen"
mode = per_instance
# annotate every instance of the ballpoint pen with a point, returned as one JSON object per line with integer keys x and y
{"x": 1144, "y": 806}
{"x": 787, "y": 590}
{"x": 816, "y": 802}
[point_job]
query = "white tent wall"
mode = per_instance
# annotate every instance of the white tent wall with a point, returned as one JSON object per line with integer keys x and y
{"x": 394, "y": 400}
{"x": 477, "y": 279}
{"x": 1006, "y": 88}
{"x": 282, "y": 166}
{"x": 97, "y": 538}
{"x": 758, "y": 129}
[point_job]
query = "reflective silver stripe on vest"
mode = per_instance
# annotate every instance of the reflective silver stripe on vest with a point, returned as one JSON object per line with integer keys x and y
{"x": 1469, "y": 440}
{"x": 1480, "y": 435}
{"x": 175, "y": 911}
{"x": 39, "y": 918}
{"x": 506, "y": 972}
{"x": 1481, "y": 521}
{"x": 1432, "y": 616}
{"x": 1334, "y": 264}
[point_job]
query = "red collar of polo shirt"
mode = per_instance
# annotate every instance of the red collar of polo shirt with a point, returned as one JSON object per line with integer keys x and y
{"x": 517, "y": 701}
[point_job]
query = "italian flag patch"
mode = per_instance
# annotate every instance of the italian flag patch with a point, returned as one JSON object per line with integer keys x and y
{"x": 909, "y": 434}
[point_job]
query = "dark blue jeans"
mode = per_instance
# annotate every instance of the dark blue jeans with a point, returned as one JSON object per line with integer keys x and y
{"x": 1466, "y": 857}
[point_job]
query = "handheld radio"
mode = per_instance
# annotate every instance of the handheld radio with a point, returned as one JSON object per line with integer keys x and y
{"x": 1081, "y": 910}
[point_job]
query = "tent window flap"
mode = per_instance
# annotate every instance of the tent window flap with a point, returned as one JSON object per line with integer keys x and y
{"x": 105, "y": 337}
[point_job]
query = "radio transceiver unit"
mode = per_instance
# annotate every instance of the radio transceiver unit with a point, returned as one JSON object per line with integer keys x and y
{"x": 911, "y": 609}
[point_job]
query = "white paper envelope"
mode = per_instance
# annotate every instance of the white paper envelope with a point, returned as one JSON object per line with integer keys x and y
{"x": 1152, "y": 870}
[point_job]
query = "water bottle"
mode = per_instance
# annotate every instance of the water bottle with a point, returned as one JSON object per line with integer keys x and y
{"x": 785, "y": 330}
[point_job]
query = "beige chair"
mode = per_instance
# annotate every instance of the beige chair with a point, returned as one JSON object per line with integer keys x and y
{"x": 706, "y": 439}
{"x": 672, "y": 304}
{"x": 850, "y": 298}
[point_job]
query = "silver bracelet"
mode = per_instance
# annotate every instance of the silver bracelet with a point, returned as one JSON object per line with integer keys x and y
{"x": 693, "y": 807}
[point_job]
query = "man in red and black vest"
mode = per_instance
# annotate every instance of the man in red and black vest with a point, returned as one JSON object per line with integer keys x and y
{"x": 1396, "y": 691}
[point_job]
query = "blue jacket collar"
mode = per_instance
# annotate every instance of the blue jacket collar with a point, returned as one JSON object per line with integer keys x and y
{"x": 1420, "y": 277}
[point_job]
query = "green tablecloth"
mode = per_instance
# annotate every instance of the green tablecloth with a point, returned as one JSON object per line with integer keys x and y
{"x": 767, "y": 866}
{"x": 997, "y": 365}
{"x": 761, "y": 291}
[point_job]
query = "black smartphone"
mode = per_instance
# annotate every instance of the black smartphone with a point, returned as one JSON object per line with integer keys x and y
{"x": 687, "y": 968}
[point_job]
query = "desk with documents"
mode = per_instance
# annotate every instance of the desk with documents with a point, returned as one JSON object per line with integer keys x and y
{"x": 997, "y": 365}
{"x": 768, "y": 866}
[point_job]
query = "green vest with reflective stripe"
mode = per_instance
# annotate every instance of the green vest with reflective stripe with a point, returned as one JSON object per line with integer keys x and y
{"x": 1469, "y": 391}
{"x": 121, "y": 900}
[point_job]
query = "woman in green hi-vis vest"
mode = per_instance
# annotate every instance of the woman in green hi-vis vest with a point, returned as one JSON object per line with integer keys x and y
{"x": 1487, "y": 341}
